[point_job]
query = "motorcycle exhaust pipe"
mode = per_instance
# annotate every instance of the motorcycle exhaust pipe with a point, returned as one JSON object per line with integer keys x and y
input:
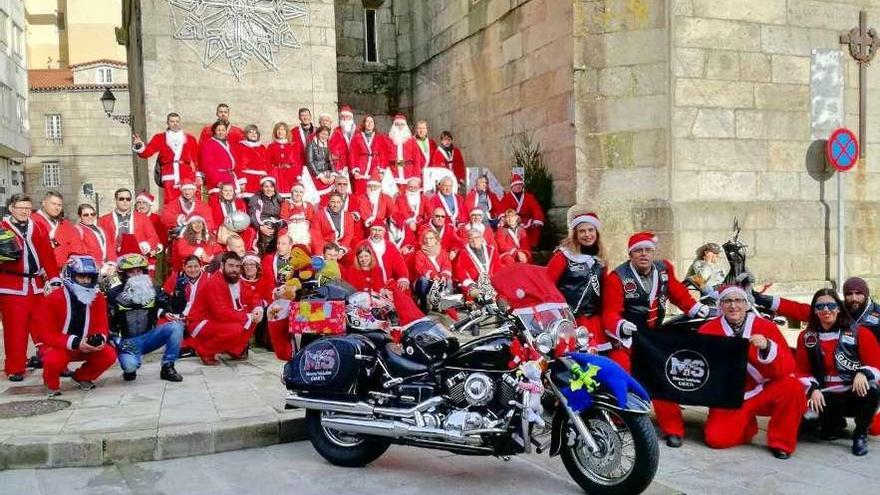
{"x": 360, "y": 408}
{"x": 396, "y": 429}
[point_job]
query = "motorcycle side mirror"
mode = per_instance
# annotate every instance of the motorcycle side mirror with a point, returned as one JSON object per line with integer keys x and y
{"x": 450, "y": 301}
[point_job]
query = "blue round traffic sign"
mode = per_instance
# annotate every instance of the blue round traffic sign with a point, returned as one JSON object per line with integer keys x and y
{"x": 842, "y": 149}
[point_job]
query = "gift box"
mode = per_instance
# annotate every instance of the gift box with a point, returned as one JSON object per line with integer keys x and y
{"x": 317, "y": 317}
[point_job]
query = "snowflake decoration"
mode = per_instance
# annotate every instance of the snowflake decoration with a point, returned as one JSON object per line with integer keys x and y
{"x": 239, "y": 30}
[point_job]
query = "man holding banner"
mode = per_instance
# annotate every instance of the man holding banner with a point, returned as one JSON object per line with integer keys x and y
{"x": 635, "y": 300}
{"x": 771, "y": 388}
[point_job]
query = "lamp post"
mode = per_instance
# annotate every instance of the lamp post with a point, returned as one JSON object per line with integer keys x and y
{"x": 108, "y": 101}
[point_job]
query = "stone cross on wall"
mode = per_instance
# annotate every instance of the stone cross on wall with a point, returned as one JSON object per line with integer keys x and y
{"x": 863, "y": 44}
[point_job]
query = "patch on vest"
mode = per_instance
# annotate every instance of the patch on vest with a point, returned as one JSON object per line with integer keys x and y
{"x": 872, "y": 319}
{"x": 630, "y": 289}
{"x": 811, "y": 340}
{"x": 594, "y": 283}
{"x": 846, "y": 363}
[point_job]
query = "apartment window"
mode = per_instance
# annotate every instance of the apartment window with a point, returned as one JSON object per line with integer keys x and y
{"x": 4, "y": 30}
{"x": 371, "y": 50}
{"x": 105, "y": 75}
{"x": 53, "y": 128}
{"x": 22, "y": 112}
{"x": 51, "y": 174}
{"x": 17, "y": 41}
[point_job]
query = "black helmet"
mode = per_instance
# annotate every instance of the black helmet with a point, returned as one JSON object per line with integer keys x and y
{"x": 9, "y": 248}
{"x": 426, "y": 341}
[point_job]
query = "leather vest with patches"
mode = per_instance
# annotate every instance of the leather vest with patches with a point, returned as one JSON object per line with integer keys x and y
{"x": 870, "y": 319}
{"x": 846, "y": 355}
{"x": 636, "y": 300}
{"x": 580, "y": 283}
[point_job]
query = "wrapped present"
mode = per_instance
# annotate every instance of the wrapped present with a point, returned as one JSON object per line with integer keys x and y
{"x": 318, "y": 317}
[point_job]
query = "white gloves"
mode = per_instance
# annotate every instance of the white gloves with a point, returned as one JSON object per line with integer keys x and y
{"x": 628, "y": 328}
{"x": 703, "y": 311}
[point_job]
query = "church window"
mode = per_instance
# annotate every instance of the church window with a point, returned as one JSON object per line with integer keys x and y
{"x": 371, "y": 51}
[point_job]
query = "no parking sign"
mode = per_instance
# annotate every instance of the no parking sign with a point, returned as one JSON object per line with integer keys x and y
{"x": 842, "y": 150}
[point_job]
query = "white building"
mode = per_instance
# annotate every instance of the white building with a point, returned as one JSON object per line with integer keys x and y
{"x": 14, "y": 127}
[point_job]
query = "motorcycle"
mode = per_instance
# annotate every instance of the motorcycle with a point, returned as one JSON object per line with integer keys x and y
{"x": 505, "y": 391}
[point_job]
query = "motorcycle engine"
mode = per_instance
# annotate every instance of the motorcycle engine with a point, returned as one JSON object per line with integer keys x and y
{"x": 479, "y": 389}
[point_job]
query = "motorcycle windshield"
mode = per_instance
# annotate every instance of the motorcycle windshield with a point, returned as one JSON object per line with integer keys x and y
{"x": 539, "y": 318}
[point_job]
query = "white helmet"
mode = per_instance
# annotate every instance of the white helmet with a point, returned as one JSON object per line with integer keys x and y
{"x": 237, "y": 221}
{"x": 365, "y": 311}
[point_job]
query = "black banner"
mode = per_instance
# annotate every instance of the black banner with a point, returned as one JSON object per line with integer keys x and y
{"x": 689, "y": 368}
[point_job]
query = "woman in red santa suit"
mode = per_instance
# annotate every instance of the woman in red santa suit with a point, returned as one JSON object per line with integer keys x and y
{"x": 578, "y": 269}
{"x": 431, "y": 265}
{"x": 217, "y": 162}
{"x": 513, "y": 245}
{"x": 297, "y": 205}
{"x": 365, "y": 274}
{"x": 367, "y": 154}
{"x": 476, "y": 259}
{"x": 252, "y": 157}
{"x": 195, "y": 239}
{"x": 448, "y": 156}
{"x": 178, "y": 152}
{"x": 286, "y": 166}
{"x": 527, "y": 206}
{"x": 375, "y": 207}
{"x": 94, "y": 239}
{"x": 475, "y": 222}
{"x": 481, "y": 197}
{"x": 222, "y": 205}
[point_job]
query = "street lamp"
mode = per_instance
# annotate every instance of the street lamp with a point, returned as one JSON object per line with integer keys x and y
{"x": 108, "y": 101}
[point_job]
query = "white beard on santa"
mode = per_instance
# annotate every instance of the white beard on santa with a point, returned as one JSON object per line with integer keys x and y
{"x": 399, "y": 136}
{"x": 299, "y": 233}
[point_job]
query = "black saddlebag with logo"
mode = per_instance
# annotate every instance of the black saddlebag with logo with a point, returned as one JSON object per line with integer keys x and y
{"x": 333, "y": 365}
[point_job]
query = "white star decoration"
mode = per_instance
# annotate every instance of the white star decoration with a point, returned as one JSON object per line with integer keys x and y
{"x": 239, "y": 30}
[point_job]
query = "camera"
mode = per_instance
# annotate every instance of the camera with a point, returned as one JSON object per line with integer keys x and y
{"x": 95, "y": 339}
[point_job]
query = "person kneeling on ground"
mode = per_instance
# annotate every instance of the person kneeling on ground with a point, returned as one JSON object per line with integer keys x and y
{"x": 76, "y": 328}
{"x": 224, "y": 314}
{"x": 770, "y": 386}
{"x": 134, "y": 312}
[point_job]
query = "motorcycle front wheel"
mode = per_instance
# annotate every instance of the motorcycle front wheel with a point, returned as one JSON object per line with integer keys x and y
{"x": 627, "y": 457}
{"x": 342, "y": 449}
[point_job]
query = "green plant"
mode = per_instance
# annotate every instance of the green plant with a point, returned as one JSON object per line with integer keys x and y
{"x": 539, "y": 181}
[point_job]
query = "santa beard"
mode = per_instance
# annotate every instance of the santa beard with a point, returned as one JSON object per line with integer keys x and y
{"x": 399, "y": 136}
{"x": 138, "y": 290}
{"x": 373, "y": 196}
{"x": 347, "y": 126}
{"x": 299, "y": 233}
{"x": 85, "y": 295}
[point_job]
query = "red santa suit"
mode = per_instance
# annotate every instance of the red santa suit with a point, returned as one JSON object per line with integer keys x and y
{"x": 139, "y": 226}
{"x": 252, "y": 158}
{"x": 300, "y": 141}
{"x": 178, "y": 213}
{"x": 431, "y": 267}
{"x": 220, "y": 319}
{"x": 449, "y": 240}
{"x": 270, "y": 265}
{"x": 455, "y": 211}
{"x": 21, "y": 291}
{"x": 409, "y": 214}
{"x": 472, "y": 201}
{"x": 467, "y": 267}
{"x": 529, "y": 211}
{"x": 63, "y": 236}
{"x": 190, "y": 287}
{"x": 184, "y": 249}
{"x": 403, "y": 161}
{"x": 364, "y": 280}
{"x": 423, "y": 156}
{"x": 178, "y": 155}
{"x": 217, "y": 165}
{"x": 771, "y": 389}
{"x": 286, "y": 165}
{"x": 510, "y": 243}
{"x": 69, "y": 322}
{"x": 340, "y": 146}
{"x": 234, "y": 134}
{"x": 367, "y": 154}
{"x": 453, "y": 162}
{"x": 375, "y": 209}
{"x": 220, "y": 209}
{"x": 324, "y": 231}
{"x": 304, "y": 209}
{"x": 488, "y": 234}
{"x": 94, "y": 243}
{"x": 388, "y": 260}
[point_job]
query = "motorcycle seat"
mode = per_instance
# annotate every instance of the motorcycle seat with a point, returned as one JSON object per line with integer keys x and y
{"x": 378, "y": 337}
{"x": 400, "y": 364}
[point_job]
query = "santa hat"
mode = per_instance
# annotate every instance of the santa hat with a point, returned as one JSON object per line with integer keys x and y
{"x": 399, "y": 116}
{"x": 642, "y": 240}
{"x": 187, "y": 184}
{"x": 516, "y": 180}
{"x": 146, "y": 197}
{"x": 417, "y": 180}
{"x": 476, "y": 211}
{"x": 345, "y": 110}
{"x": 378, "y": 226}
{"x": 589, "y": 217}
{"x": 196, "y": 218}
{"x": 374, "y": 178}
{"x": 251, "y": 257}
{"x": 325, "y": 114}
{"x": 298, "y": 186}
{"x": 267, "y": 178}
{"x": 732, "y": 290}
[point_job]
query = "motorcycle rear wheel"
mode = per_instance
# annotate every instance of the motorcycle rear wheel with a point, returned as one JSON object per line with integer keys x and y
{"x": 342, "y": 449}
{"x": 627, "y": 458}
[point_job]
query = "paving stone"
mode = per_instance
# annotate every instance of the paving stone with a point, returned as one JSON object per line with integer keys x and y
{"x": 75, "y": 450}
{"x": 130, "y": 446}
{"x": 244, "y": 433}
{"x": 183, "y": 441}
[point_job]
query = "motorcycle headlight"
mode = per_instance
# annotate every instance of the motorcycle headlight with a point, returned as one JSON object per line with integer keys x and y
{"x": 544, "y": 342}
{"x": 560, "y": 331}
{"x": 583, "y": 337}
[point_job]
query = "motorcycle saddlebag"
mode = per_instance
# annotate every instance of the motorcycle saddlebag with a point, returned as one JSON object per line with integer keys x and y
{"x": 333, "y": 365}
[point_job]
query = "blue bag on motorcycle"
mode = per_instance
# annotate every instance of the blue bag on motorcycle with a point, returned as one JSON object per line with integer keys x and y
{"x": 331, "y": 365}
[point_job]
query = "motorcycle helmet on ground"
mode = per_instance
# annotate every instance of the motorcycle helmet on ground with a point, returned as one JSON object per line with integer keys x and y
{"x": 82, "y": 266}
{"x": 426, "y": 341}
{"x": 9, "y": 248}
{"x": 365, "y": 311}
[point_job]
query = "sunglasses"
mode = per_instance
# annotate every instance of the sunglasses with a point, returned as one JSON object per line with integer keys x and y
{"x": 439, "y": 216}
{"x": 92, "y": 214}
{"x": 123, "y": 198}
{"x": 825, "y": 306}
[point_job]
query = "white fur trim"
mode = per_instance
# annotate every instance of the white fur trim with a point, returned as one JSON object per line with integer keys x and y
{"x": 772, "y": 351}
{"x": 643, "y": 244}
{"x": 585, "y": 218}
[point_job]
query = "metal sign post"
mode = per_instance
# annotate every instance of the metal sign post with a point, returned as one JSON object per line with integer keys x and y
{"x": 842, "y": 152}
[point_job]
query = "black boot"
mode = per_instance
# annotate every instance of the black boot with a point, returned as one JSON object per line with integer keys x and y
{"x": 169, "y": 373}
{"x": 673, "y": 441}
{"x": 860, "y": 445}
{"x": 35, "y": 362}
{"x": 129, "y": 375}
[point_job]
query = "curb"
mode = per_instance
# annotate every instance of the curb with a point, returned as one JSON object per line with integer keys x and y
{"x": 52, "y": 451}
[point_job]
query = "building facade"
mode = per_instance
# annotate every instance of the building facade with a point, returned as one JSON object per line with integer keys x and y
{"x": 14, "y": 126}
{"x": 75, "y": 148}
{"x": 69, "y": 32}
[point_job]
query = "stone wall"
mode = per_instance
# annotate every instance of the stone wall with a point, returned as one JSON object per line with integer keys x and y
{"x": 167, "y": 75}
{"x": 94, "y": 148}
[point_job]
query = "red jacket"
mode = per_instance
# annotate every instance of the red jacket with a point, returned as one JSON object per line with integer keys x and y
{"x": 300, "y": 140}
{"x": 217, "y": 164}
{"x": 423, "y": 159}
{"x": 189, "y": 290}
{"x": 284, "y": 164}
{"x": 467, "y": 268}
{"x": 142, "y": 229}
{"x": 526, "y": 206}
{"x": 449, "y": 240}
{"x": 35, "y": 240}
{"x": 774, "y": 363}
{"x": 375, "y": 214}
{"x": 218, "y": 215}
{"x": 215, "y": 302}
{"x": 390, "y": 264}
{"x": 340, "y": 148}
{"x": 364, "y": 280}
{"x": 61, "y": 332}
{"x": 363, "y": 157}
{"x": 253, "y": 160}
{"x": 869, "y": 357}
{"x": 173, "y": 168}
{"x": 234, "y": 134}
{"x": 510, "y": 243}
{"x": 183, "y": 249}
{"x": 323, "y": 231}
{"x": 453, "y": 162}
{"x": 63, "y": 236}
{"x": 174, "y": 214}
{"x": 424, "y": 266}
{"x": 288, "y": 209}
{"x": 268, "y": 276}
{"x": 408, "y": 153}
{"x": 613, "y": 301}
{"x": 95, "y": 243}
{"x": 455, "y": 215}
{"x": 470, "y": 203}
{"x": 488, "y": 234}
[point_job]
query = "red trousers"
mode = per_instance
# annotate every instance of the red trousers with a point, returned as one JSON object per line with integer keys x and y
{"x": 533, "y": 234}
{"x": 22, "y": 315}
{"x": 668, "y": 413}
{"x": 782, "y": 399}
{"x": 282, "y": 342}
{"x": 875, "y": 426}
{"x": 217, "y": 337}
{"x": 56, "y": 359}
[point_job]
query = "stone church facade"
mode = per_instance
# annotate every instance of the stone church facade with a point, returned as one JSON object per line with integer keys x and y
{"x": 669, "y": 115}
